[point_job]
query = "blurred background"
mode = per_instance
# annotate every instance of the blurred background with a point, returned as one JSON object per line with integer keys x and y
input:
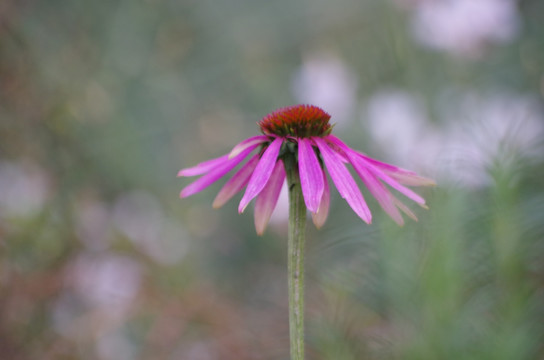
{"x": 102, "y": 102}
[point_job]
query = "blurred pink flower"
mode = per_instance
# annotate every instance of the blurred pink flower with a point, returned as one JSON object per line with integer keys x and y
{"x": 304, "y": 130}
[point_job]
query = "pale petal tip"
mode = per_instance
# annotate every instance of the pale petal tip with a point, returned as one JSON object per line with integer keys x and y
{"x": 404, "y": 209}
{"x": 242, "y": 208}
{"x": 219, "y": 201}
{"x": 319, "y": 218}
{"x": 425, "y": 181}
{"x": 260, "y": 229}
{"x": 397, "y": 218}
{"x": 317, "y": 222}
{"x": 233, "y": 153}
{"x": 411, "y": 215}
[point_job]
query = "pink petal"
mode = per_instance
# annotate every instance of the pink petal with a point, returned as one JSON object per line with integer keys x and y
{"x": 376, "y": 188}
{"x": 311, "y": 175}
{"x": 214, "y": 174}
{"x": 262, "y": 173}
{"x": 255, "y": 140}
{"x": 393, "y": 183}
{"x": 378, "y": 172}
{"x": 380, "y": 164}
{"x": 404, "y": 209}
{"x": 380, "y": 192}
{"x": 337, "y": 150}
{"x": 236, "y": 183}
{"x": 406, "y": 178}
{"x": 268, "y": 197}
{"x": 344, "y": 182}
{"x": 403, "y": 176}
{"x": 320, "y": 216}
{"x": 203, "y": 167}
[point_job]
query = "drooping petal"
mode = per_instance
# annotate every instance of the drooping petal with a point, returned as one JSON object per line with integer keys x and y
{"x": 262, "y": 173}
{"x": 203, "y": 167}
{"x": 268, "y": 197}
{"x": 216, "y": 173}
{"x": 411, "y": 179}
{"x": 311, "y": 174}
{"x": 378, "y": 172}
{"x": 395, "y": 184}
{"x": 380, "y": 192}
{"x": 403, "y": 176}
{"x": 255, "y": 140}
{"x": 322, "y": 213}
{"x": 236, "y": 183}
{"x": 343, "y": 180}
{"x": 404, "y": 209}
{"x": 376, "y": 188}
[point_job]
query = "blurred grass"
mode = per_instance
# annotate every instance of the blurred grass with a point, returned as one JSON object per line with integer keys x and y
{"x": 102, "y": 102}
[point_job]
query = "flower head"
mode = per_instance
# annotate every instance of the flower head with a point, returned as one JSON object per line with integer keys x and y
{"x": 304, "y": 132}
{"x": 302, "y": 121}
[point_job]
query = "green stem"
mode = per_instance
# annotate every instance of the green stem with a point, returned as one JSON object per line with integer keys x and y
{"x": 295, "y": 259}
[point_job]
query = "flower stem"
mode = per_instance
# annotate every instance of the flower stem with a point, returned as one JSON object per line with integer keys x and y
{"x": 295, "y": 259}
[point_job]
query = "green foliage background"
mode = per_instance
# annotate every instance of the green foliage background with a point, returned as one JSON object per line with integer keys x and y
{"x": 102, "y": 102}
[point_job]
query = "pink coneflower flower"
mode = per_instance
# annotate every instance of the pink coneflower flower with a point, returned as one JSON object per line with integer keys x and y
{"x": 304, "y": 132}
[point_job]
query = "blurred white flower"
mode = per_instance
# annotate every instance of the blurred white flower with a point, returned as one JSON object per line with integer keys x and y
{"x": 25, "y": 188}
{"x": 326, "y": 81}
{"x": 108, "y": 282}
{"x": 465, "y": 27}
{"x": 101, "y": 290}
{"x": 477, "y": 133}
{"x": 398, "y": 123}
{"x": 140, "y": 217}
{"x": 485, "y": 131}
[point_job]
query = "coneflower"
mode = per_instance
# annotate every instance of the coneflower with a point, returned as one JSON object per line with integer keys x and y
{"x": 297, "y": 145}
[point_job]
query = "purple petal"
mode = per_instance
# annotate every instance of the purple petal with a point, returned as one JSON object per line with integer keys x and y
{"x": 382, "y": 165}
{"x": 214, "y": 174}
{"x": 378, "y": 172}
{"x": 411, "y": 179}
{"x": 380, "y": 192}
{"x": 255, "y": 140}
{"x": 404, "y": 209}
{"x": 311, "y": 174}
{"x": 344, "y": 182}
{"x": 262, "y": 173}
{"x": 203, "y": 167}
{"x": 320, "y": 216}
{"x": 393, "y": 183}
{"x": 388, "y": 168}
{"x": 403, "y": 176}
{"x": 268, "y": 197}
{"x": 376, "y": 188}
{"x": 236, "y": 183}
